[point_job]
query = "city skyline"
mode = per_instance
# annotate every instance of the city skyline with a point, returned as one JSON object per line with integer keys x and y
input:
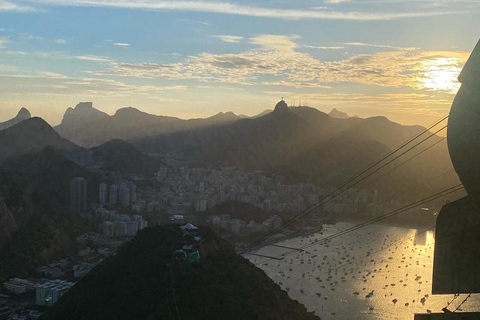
{"x": 193, "y": 59}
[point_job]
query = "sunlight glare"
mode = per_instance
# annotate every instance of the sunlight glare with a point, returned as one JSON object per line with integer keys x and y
{"x": 441, "y": 75}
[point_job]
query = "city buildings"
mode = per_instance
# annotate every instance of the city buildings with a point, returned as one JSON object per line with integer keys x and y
{"x": 113, "y": 224}
{"x": 103, "y": 193}
{"x": 78, "y": 194}
{"x": 19, "y": 286}
{"x": 113, "y": 194}
{"x": 49, "y": 293}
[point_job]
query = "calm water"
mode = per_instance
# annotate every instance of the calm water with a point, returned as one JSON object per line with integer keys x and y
{"x": 338, "y": 280}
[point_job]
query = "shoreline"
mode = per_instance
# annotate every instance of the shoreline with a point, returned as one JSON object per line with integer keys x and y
{"x": 304, "y": 233}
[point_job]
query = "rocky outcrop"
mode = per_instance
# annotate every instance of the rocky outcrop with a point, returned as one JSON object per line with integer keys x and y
{"x": 338, "y": 114}
{"x": 23, "y": 114}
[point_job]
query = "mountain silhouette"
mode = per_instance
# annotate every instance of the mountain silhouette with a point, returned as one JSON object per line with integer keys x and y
{"x": 140, "y": 280}
{"x": 338, "y": 114}
{"x": 305, "y": 145}
{"x": 121, "y": 156}
{"x": 34, "y": 188}
{"x": 30, "y": 136}
{"x": 23, "y": 114}
{"x": 88, "y": 127}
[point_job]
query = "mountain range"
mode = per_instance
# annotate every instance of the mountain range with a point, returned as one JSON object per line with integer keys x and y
{"x": 307, "y": 145}
{"x": 301, "y": 143}
{"x": 89, "y": 127}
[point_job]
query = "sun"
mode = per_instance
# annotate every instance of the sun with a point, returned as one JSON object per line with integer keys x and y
{"x": 441, "y": 75}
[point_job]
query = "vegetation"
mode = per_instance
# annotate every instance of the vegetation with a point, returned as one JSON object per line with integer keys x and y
{"x": 138, "y": 284}
{"x": 118, "y": 155}
{"x": 34, "y": 189}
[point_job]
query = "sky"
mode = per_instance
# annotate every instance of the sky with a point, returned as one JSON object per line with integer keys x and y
{"x": 193, "y": 59}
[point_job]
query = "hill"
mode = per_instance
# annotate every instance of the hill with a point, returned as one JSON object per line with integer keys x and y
{"x": 34, "y": 200}
{"x": 306, "y": 145}
{"x": 338, "y": 114}
{"x": 90, "y": 127}
{"x": 30, "y": 136}
{"x": 137, "y": 284}
{"x": 121, "y": 156}
{"x": 23, "y": 114}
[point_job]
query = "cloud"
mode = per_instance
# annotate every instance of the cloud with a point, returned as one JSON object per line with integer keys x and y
{"x": 236, "y": 9}
{"x": 28, "y": 36}
{"x": 324, "y": 47}
{"x": 361, "y": 44}
{"x": 295, "y": 84}
{"x": 12, "y": 7}
{"x": 93, "y": 58}
{"x": 276, "y": 42}
{"x": 196, "y": 21}
{"x": 121, "y": 44}
{"x": 52, "y": 75}
{"x": 278, "y": 63}
{"x": 60, "y": 41}
{"x": 337, "y": 1}
{"x": 227, "y": 38}
{"x": 52, "y": 83}
{"x": 2, "y": 42}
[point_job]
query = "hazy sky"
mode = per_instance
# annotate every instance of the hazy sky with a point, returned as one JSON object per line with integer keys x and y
{"x": 398, "y": 58}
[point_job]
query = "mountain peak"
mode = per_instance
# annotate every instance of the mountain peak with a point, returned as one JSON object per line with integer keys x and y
{"x": 23, "y": 114}
{"x": 338, "y": 114}
{"x": 281, "y": 106}
{"x": 129, "y": 111}
{"x": 83, "y": 112}
{"x": 84, "y": 105}
{"x": 30, "y": 136}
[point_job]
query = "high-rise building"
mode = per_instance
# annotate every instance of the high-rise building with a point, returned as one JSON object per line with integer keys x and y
{"x": 113, "y": 194}
{"x": 103, "y": 193}
{"x": 49, "y": 292}
{"x": 78, "y": 194}
{"x": 133, "y": 192}
{"x": 125, "y": 197}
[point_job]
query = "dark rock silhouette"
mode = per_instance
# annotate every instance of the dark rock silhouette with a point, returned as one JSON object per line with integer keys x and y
{"x": 23, "y": 114}
{"x": 89, "y": 127}
{"x": 30, "y": 136}
{"x": 281, "y": 106}
{"x": 457, "y": 240}
{"x": 464, "y": 126}
{"x": 338, "y": 114}
{"x": 131, "y": 284}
